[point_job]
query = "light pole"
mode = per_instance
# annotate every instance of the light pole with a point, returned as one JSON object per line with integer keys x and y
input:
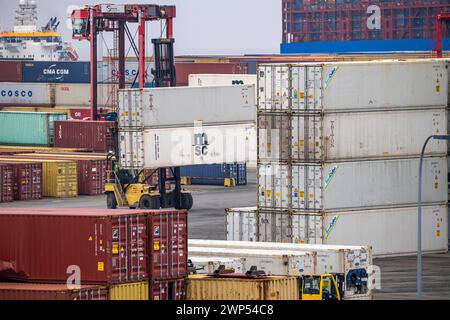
{"x": 419, "y": 216}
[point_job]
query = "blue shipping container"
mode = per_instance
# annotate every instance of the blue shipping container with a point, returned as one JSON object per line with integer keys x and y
{"x": 56, "y": 72}
{"x": 214, "y": 174}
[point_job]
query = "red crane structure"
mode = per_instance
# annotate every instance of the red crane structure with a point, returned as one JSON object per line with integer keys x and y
{"x": 439, "y": 20}
{"x": 89, "y": 21}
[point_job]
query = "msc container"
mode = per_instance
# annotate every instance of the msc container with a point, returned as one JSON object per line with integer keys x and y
{"x": 106, "y": 246}
{"x": 350, "y": 135}
{"x": 390, "y": 232}
{"x": 202, "y": 287}
{"x": 207, "y": 265}
{"x": 214, "y": 174}
{"x": 56, "y": 72}
{"x": 159, "y": 107}
{"x": 23, "y": 94}
{"x": 209, "y": 80}
{"x": 38, "y": 291}
{"x": 280, "y": 263}
{"x": 350, "y": 185}
{"x": 26, "y": 180}
{"x": 93, "y": 135}
{"x": 28, "y": 128}
{"x": 59, "y": 177}
{"x": 6, "y": 183}
{"x": 91, "y": 172}
{"x": 169, "y": 147}
{"x": 343, "y": 86}
{"x": 11, "y": 71}
{"x": 184, "y": 69}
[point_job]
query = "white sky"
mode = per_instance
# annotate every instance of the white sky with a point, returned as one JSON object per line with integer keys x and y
{"x": 201, "y": 26}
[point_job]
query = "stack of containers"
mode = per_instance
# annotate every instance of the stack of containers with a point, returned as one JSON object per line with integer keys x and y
{"x": 339, "y": 147}
{"x": 26, "y": 180}
{"x": 125, "y": 254}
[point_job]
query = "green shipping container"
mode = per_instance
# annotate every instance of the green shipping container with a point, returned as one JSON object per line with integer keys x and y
{"x": 28, "y": 128}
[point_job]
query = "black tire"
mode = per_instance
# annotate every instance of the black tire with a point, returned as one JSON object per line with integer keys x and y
{"x": 186, "y": 201}
{"x": 149, "y": 203}
{"x": 111, "y": 202}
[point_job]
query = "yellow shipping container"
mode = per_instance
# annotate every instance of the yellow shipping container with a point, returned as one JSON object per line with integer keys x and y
{"x": 59, "y": 177}
{"x": 202, "y": 287}
{"x": 129, "y": 291}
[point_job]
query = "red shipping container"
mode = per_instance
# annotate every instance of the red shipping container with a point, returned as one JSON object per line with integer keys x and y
{"x": 6, "y": 183}
{"x": 184, "y": 69}
{"x": 93, "y": 135}
{"x": 11, "y": 71}
{"x": 91, "y": 172}
{"x": 26, "y": 180}
{"x": 80, "y": 113}
{"x": 37, "y": 291}
{"x": 106, "y": 246}
{"x": 168, "y": 289}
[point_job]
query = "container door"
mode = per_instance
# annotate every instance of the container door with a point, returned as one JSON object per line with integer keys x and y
{"x": 274, "y": 186}
{"x": 119, "y": 250}
{"x": 138, "y": 247}
{"x": 307, "y": 187}
{"x": 131, "y": 145}
{"x": 307, "y": 229}
{"x": 307, "y": 139}
{"x": 274, "y": 137}
{"x": 273, "y": 85}
{"x": 306, "y": 88}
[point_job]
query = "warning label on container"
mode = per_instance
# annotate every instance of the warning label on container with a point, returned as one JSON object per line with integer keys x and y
{"x": 156, "y": 231}
{"x": 100, "y": 266}
{"x": 115, "y": 234}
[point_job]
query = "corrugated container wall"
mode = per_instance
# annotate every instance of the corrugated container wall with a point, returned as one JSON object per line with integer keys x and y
{"x": 149, "y": 290}
{"x": 36, "y": 291}
{"x": 27, "y": 180}
{"x": 28, "y": 128}
{"x": 92, "y": 135}
{"x": 56, "y": 72}
{"x": 202, "y": 287}
{"x": 108, "y": 247}
{"x": 184, "y": 69}
{"x": 11, "y": 72}
{"x": 159, "y": 107}
{"x": 6, "y": 183}
{"x": 215, "y": 174}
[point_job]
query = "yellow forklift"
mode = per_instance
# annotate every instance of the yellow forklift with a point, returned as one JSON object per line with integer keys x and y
{"x": 321, "y": 287}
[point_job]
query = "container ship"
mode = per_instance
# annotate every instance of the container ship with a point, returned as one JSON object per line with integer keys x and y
{"x": 345, "y": 26}
{"x": 28, "y": 42}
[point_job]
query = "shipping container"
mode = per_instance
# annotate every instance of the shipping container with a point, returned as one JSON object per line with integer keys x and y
{"x": 26, "y": 179}
{"x": 356, "y": 86}
{"x": 241, "y": 224}
{"x": 184, "y": 69}
{"x": 202, "y": 287}
{"x": 11, "y": 71}
{"x": 160, "y": 107}
{"x": 107, "y": 246}
{"x": 39, "y": 291}
{"x": 209, "y": 80}
{"x": 26, "y": 94}
{"x": 350, "y": 135}
{"x": 172, "y": 289}
{"x": 80, "y": 113}
{"x": 280, "y": 263}
{"x": 389, "y": 231}
{"x": 208, "y": 265}
{"x": 92, "y": 135}
{"x": 28, "y": 128}
{"x": 59, "y": 177}
{"x": 79, "y": 95}
{"x": 6, "y": 183}
{"x": 215, "y": 174}
{"x": 340, "y": 26}
{"x": 345, "y": 260}
{"x": 91, "y": 172}
{"x": 56, "y": 72}
{"x": 172, "y": 147}
{"x": 107, "y": 72}
{"x": 350, "y": 185}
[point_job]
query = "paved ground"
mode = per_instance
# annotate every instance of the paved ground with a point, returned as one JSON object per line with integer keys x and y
{"x": 206, "y": 221}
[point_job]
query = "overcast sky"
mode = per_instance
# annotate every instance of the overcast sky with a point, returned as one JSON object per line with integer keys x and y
{"x": 201, "y": 26}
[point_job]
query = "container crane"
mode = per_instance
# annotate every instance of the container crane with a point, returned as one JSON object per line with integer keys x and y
{"x": 439, "y": 20}
{"x": 123, "y": 187}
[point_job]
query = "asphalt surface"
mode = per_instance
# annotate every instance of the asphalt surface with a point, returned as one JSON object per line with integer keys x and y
{"x": 207, "y": 221}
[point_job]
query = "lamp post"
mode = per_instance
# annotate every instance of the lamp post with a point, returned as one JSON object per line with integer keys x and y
{"x": 419, "y": 216}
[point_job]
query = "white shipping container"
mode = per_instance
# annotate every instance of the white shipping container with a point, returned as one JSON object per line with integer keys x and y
{"x": 355, "y": 135}
{"x": 207, "y": 265}
{"x": 241, "y": 224}
{"x": 282, "y": 263}
{"x": 390, "y": 232}
{"x": 183, "y": 146}
{"x": 339, "y": 86}
{"x": 351, "y": 185}
{"x": 79, "y": 95}
{"x": 330, "y": 258}
{"x": 160, "y": 107}
{"x": 107, "y": 72}
{"x": 22, "y": 94}
{"x": 208, "y": 80}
